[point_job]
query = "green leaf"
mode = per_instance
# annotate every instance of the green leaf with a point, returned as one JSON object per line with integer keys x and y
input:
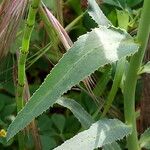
{"x": 47, "y": 125}
{"x": 78, "y": 111}
{"x": 4, "y": 142}
{"x": 91, "y": 51}
{"x": 112, "y": 146}
{"x": 132, "y": 3}
{"x": 72, "y": 127}
{"x": 59, "y": 121}
{"x": 145, "y": 139}
{"x": 51, "y": 4}
{"x": 123, "y": 19}
{"x": 75, "y": 5}
{"x": 8, "y": 110}
{"x": 118, "y": 3}
{"x": 96, "y": 14}
{"x": 2, "y": 103}
{"x": 145, "y": 68}
{"x": 102, "y": 132}
{"x": 47, "y": 142}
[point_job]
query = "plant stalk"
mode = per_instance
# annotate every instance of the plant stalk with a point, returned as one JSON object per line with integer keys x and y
{"x": 59, "y": 11}
{"x": 115, "y": 86}
{"x": 22, "y": 61}
{"x": 131, "y": 79}
{"x": 70, "y": 26}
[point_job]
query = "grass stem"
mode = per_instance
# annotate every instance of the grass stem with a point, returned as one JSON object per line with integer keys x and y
{"x": 22, "y": 61}
{"x": 131, "y": 79}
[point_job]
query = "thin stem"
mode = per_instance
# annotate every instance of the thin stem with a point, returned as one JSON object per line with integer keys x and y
{"x": 102, "y": 83}
{"x": 45, "y": 49}
{"x": 59, "y": 11}
{"x": 49, "y": 28}
{"x": 115, "y": 86}
{"x": 74, "y": 22}
{"x": 22, "y": 61}
{"x": 131, "y": 79}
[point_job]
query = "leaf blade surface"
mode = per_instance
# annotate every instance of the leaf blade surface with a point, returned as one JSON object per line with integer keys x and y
{"x": 102, "y": 132}
{"x": 91, "y": 51}
{"x": 79, "y": 112}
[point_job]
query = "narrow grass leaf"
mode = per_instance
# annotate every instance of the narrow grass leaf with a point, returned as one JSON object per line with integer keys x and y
{"x": 102, "y": 132}
{"x": 91, "y": 51}
{"x": 96, "y": 14}
{"x": 79, "y": 112}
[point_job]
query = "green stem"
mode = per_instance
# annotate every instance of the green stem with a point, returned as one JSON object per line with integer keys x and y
{"x": 44, "y": 50}
{"x": 74, "y": 22}
{"x": 102, "y": 83}
{"x": 131, "y": 79}
{"x": 49, "y": 28}
{"x": 115, "y": 86}
{"x": 22, "y": 61}
{"x": 59, "y": 11}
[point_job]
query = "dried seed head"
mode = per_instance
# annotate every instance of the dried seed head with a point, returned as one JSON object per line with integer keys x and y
{"x": 11, "y": 13}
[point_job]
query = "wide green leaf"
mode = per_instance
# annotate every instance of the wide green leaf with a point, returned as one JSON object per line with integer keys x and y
{"x": 79, "y": 112}
{"x": 145, "y": 139}
{"x": 91, "y": 51}
{"x": 103, "y": 132}
{"x": 96, "y": 14}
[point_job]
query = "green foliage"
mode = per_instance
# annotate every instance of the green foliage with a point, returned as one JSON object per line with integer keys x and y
{"x": 123, "y": 19}
{"x": 112, "y": 146}
{"x": 65, "y": 114}
{"x": 78, "y": 111}
{"x": 116, "y": 83}
{"x": 75, "y": 5}
{"x": 102, "y": 83}
{"x": 118, "y": 3}
{"x": 59, "y": 121}
{"x": 79, "y": 62}
{"x": 132, "y": 3}
{"x": 145, "y": 139}
{"x": 99, "y": 134}
{"x": 96, "y": 14}
{"x": 145, "y": 68}
{"x": 123, "y": 3}
{"x": 47, "y": 142}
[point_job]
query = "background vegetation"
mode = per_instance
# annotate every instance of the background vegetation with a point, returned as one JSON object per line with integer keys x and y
{"x": 100, "y": 94}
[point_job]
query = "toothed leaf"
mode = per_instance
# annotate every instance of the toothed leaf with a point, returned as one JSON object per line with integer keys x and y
{"x": 103, "y": 132}
{"x": 96, "y": 14}
{"x": 91, "y": 51}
